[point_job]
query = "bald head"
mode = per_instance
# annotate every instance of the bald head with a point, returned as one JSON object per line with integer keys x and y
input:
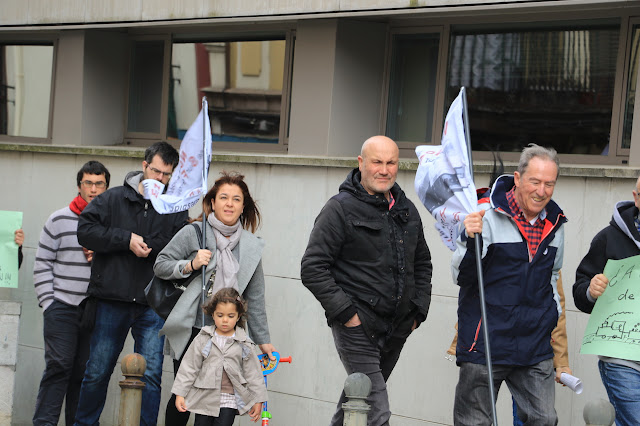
{"x": 378, "y": 143}
{"x": 636, "y": 194}
{"x": 378, "y": 164}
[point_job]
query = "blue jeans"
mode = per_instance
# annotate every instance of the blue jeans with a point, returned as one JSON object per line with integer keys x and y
{"x": 532, "y": 388}
{"x": 113, "y": 322}
{"x": 623, "y": 387}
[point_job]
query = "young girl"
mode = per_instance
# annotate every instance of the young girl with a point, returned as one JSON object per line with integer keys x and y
{"x": 220, "y": 374}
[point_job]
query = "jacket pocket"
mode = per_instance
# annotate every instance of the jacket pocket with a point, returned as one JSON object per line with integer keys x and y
{"x": 366, "y": 242}
{"x": 208, "y": 379}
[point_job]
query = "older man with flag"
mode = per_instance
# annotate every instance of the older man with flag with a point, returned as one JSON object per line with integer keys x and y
{"x": 515, "y": 260}
{"x": 521, "y": 241}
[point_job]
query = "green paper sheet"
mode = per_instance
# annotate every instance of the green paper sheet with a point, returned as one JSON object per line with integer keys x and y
{"x": 614, "y": 326}
{"x": 9, "y": 222}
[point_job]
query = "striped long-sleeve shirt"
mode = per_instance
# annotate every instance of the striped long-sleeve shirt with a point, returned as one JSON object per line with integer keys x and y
{"x": 61, "y": 270}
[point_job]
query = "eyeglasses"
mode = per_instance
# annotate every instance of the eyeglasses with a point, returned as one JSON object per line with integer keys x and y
{"x": 156, "y": 171}
{"x": 89, "y": 184}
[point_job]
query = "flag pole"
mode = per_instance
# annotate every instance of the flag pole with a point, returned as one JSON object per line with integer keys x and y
{"x": 483, "y": 308}
{"x": 204, "y": 185}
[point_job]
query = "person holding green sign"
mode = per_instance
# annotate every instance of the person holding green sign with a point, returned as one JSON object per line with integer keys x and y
{"x": 619, "y": 240}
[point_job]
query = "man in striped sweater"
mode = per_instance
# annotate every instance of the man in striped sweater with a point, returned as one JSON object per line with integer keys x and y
{"x": 61, "y": 276}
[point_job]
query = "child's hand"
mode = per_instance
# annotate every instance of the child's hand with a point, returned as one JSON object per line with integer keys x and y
{"x": 254, "y": 412}
{"x": 180, "y": 405}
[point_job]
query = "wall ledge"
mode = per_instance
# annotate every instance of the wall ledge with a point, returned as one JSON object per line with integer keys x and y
{"x": 574, "y": 170}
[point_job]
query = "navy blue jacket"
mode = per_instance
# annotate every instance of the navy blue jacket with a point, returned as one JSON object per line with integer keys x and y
{"x": 521, "y": 295}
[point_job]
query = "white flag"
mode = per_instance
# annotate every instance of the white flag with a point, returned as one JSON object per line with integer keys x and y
{"x": 443, "y": 180}
{"x": 189, "y": 179}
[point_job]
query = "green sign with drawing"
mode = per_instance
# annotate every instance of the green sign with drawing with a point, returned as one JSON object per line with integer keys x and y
{"x": 614, "y": 326}
{"x": 9, "y": 222}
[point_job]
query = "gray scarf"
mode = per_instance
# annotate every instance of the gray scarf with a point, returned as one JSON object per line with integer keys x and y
{"x": 227, "y": 266}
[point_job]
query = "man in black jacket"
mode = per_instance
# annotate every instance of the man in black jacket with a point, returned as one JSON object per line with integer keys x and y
{"x": 619, "y": 240}
{"x": 369, "y": 266}
{"x": 126, "y": 234}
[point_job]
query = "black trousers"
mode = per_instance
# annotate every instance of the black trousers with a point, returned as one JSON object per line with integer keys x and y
{"x": 225, "y": 418}
{"x": 66, "y": 351}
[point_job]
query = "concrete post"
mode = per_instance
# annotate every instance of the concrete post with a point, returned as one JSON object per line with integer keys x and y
{"x": 133, "y": 367}
{"x": 9, "y": 322}
{"x": 599, "y": 413}
{"x": 357, "y": 388}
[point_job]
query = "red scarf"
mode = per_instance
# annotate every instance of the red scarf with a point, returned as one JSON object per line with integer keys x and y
{"x": 77, "y": 205}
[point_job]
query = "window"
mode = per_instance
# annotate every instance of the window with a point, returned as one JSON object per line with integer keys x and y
{"x": 412, "y": 87}
{"x": 631, "y": 87}
{"x": 145, "y": 88}
{"x": 554, "y": 87}
{"x": 26, "y": 73}
{"x": 244, "y": 82}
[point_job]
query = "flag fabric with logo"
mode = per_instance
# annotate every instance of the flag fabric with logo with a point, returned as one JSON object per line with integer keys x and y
{"x": 443, "y": 180}
{"x": 189, "y": 179}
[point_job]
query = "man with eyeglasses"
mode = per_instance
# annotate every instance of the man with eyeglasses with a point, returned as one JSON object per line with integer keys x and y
{"x": 61, "y": 277}
{"x": 126, "y": 234}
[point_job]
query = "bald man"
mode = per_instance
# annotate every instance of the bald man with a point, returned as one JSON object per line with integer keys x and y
{"x": 369, "y": 266}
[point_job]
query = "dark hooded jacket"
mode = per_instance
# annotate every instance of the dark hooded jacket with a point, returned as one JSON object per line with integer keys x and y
{"x": 105, "y": 226}
{"x": 617, "y": 241}
{"x": 364, "y": 258}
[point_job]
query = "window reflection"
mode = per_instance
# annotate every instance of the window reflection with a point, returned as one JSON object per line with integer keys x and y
{"x": 242, "y": 82}
{"x": 551, "y": 87}
{"x": 25, "y": 90}
{"x": 631, "y": 87}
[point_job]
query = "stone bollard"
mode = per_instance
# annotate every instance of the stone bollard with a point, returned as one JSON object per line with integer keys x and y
{"x": 599, "y": 413}
{"x": 357, "y": 388}
{"x": 133, "y": 367}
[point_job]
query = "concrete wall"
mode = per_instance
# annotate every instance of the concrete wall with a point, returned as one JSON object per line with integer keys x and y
{"x": 290, "y": 196}
{"x": 31, "y": 12}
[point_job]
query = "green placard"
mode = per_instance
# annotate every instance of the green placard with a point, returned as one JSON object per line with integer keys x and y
{"x": 9, "y": 222}
{"x": 614, "y": 326}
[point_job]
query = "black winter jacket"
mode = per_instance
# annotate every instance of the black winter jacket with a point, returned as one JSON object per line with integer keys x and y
{"x": 364, "y": 258}
{"x": 617, "y": 241}
{"x": 105, "y": 226}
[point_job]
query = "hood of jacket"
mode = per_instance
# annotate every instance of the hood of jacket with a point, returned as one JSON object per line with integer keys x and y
{"x": 353, "y": 186}
{"x": 132, "y": 181}
{"x": 623, "y": 218}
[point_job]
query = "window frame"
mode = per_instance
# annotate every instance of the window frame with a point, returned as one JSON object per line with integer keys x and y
{"x": 616, "y": 155}
{"x": 143, "y": 138}
{"x": 440, "y": 81}
{"x": 285, "y": 113}
{"x": 34, "y": 40}
{"x": 183, "y": 36}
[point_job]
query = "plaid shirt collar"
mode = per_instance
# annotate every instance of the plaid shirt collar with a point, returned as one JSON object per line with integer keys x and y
{"x": 532, "y": 231}
{"x": 516, "y": 212}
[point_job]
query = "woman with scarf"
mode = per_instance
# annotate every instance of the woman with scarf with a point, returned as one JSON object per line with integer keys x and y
{"x": 232, "y": 258}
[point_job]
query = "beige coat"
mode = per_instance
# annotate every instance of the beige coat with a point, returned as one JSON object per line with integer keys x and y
{"x": 200, "y": 375}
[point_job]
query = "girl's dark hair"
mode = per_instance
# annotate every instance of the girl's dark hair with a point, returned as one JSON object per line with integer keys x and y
{"x": 250, "y": 217}
{"x": 228, "y": 295}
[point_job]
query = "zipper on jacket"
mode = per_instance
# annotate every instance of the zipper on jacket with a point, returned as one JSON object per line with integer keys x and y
{"x": 146, "y": 206}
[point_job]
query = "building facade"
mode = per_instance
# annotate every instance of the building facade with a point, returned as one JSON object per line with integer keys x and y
{"x": 293, "y": 89}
